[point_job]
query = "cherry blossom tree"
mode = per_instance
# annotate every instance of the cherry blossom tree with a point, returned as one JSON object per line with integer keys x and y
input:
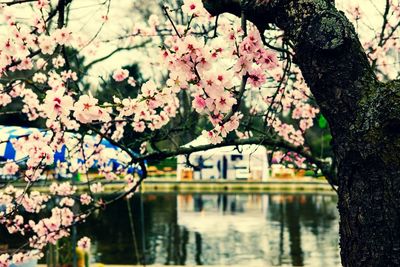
{"x": 236, "y": 72}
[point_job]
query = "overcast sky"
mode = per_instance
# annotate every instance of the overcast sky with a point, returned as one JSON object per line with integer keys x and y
{"x": 120, "y": 16}
{"x": 86, "y": 17}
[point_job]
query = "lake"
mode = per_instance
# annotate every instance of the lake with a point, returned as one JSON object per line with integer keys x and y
{"x": 217, "y": 229}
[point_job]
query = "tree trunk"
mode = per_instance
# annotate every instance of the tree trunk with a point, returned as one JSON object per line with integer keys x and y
{"x": 369, "y": 203}
{"x": 364, "y": 116}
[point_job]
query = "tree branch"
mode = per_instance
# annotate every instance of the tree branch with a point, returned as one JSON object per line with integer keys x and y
{"x": 323, "y": 166}
{"x": 89, "y": 65}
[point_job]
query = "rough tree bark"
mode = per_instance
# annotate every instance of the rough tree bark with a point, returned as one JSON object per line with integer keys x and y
{"x": 364, "y": 116}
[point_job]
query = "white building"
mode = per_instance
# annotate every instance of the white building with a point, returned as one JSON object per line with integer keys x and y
{"x": 243, "y": 162}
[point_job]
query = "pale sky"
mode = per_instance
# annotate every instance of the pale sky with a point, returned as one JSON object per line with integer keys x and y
{"x": 121, "y": 16}
{"x": 86, "y": 18}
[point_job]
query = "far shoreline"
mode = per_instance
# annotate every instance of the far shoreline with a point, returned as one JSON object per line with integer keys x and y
{"x": 305, "y": 185}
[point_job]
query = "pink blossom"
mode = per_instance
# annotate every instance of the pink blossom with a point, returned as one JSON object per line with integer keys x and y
{"x": 46, "y": 44}
{"x": 212, "y": 136}
{"x": 224, "y": 102}
{"x": 63, "y": 189}
{"x": 39, "y": 77}
{"x": 192, "y": 7}
{"x": 268, "y": 60}
{"x": 139, "y": 126}
{"x": 198, "y": 103}
{"x": 41, "y": 64}
{"x": 243, "y": 64}
{"x": 5, "y": 99}
{"x": 256, "y": 77}
{"x": 84, "y": 243}
{"x": 4, "y": 260}
{"x": 213, "y": 87}
{"x": 85, "y": 199}
{"x": 10, "y": 168}
{"x": 18, "y": 88}
{"x": 177, "y": 82}
{"x": 42, "y": 4}
{"x": 305, "y": 124}
{"x": 62, "y": 36}
{"x": 69, "y": 75}
{"x": 57, "y": 104}
{"x": 67, "y": 201}
{"x": 132, "y": 81}
{"x": 120, "y": 75}
{"x": 58, "y": 62}
{"x": 96, "y": 188}
{"x": 233, "y": 122}
{"x": 19, "y": 258}
{"x": 86, "y": 110}
{"x": 149, "y": 89}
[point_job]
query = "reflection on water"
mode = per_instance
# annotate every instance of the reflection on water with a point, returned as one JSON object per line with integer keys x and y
{"x": 219, "y": 229}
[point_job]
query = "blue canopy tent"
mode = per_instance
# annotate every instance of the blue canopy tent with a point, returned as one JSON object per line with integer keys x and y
{"x": 7, "y": 151}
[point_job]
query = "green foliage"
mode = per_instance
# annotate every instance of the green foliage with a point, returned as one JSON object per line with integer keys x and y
{"x": 322, "y": 122}
{"x": 319, "y": 141}
{"x": 110, "y": 87}
{"x": 169, "y": 162}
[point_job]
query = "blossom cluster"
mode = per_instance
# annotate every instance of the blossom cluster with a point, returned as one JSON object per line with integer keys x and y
{"x": 227, "y": 75}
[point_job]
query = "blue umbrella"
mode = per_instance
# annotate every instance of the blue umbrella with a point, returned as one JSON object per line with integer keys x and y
{"x": 7, "y": 151}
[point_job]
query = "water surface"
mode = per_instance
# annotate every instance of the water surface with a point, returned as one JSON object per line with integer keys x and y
{"x": 217, "y": 229}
